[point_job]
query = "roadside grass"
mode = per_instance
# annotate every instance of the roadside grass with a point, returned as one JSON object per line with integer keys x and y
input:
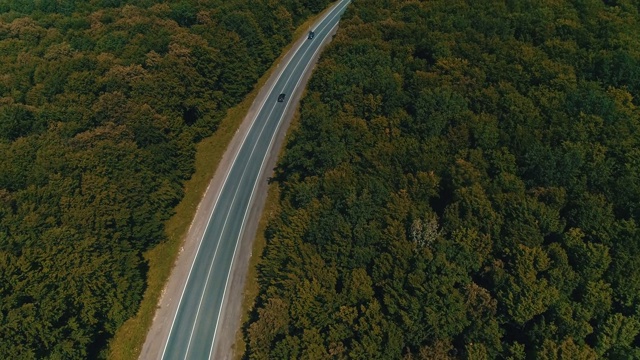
{"x": 128, "y": 340}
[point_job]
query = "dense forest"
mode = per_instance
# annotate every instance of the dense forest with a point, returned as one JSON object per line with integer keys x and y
{"x": 101, "y": 104}
{"x": 463, "y": 183}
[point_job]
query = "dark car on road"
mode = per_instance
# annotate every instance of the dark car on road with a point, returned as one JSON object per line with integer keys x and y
{"x": 311, "y": 35}
{"x": 281, "y": 98}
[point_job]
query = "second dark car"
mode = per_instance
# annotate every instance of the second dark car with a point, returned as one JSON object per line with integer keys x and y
{"x": 281, "y": 97}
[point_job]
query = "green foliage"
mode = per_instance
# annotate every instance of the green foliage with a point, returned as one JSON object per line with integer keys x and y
{"x": 101, "y": 105}
{"x": 184, "y": 13}
{"x": 17, "y": 121}
{"x": 526, "y": 293}
{"x": 463, "y": 183}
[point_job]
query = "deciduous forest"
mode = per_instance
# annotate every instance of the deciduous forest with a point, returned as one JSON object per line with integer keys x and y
{"x": 463, "y": 183}
{"x": 101, "y": 104}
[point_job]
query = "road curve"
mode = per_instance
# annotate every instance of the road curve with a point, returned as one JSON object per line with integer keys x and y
{"x": 195, "y": 327}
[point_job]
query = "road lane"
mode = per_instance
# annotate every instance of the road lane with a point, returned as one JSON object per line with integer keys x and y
{"x": 195, "y": 325}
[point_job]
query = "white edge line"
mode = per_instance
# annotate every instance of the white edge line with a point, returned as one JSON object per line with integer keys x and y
{"x": 222, "y": 187}
{"x": 254, "y": 188}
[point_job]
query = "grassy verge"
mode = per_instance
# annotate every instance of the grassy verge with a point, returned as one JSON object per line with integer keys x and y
{"x": 128, "y": 340}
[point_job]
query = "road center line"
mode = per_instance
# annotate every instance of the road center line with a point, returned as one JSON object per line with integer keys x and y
{"x": 256, "y": 182}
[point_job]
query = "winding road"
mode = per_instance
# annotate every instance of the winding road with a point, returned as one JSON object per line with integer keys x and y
{"x": 196, "y": 325}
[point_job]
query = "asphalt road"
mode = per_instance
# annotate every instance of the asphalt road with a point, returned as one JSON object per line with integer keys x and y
{"x": 195, "y": 325}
